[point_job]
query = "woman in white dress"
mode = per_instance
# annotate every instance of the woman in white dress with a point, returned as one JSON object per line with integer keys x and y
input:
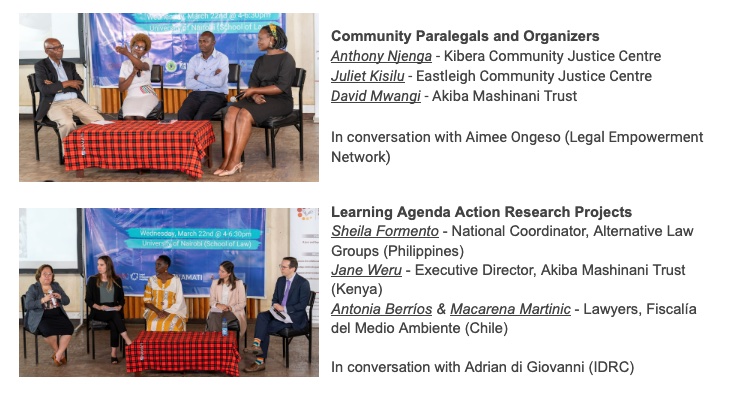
{"x": 135, "y": 77}
{"x": 163, "y": 299}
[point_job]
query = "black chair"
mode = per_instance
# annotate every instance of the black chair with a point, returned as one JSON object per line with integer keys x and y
{"x": 273, "y": 125}
{"x": 157, "y": 76}
{"x": 36, "y": 334}
{"x": 234, "y": 325}
{"x": 288, "y": 333}
{"x": 96, "y": 325}
{"x": 232, "y": 78}
{"x": 46, "y": 122}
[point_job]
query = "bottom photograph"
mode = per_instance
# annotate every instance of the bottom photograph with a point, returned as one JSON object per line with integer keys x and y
{"x": 117, "y": 292}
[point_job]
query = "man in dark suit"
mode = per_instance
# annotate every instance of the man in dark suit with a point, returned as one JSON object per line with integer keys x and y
{"x": 291, "y": 296}
{"x": 60, "y": 86}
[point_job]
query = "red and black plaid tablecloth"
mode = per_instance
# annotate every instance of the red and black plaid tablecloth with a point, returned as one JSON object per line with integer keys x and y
{"x": 183, "y": 351}
{"x": 127, "y": 145}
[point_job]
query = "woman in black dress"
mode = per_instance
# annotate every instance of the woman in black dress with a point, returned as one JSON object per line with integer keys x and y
{"x": 105, "y": 297}
{"x": 269, "y": 95}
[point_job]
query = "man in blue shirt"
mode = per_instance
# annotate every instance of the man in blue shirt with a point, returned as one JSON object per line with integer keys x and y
{"x": 207, "y": 77}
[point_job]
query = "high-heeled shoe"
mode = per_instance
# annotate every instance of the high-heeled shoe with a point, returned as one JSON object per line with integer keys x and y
{"x": 237, "y": 168}
{"x": 54, "y": 358}
{"x": 219, "y": 171}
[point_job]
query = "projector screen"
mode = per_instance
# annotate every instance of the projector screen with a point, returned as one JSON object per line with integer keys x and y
{"x": 48, "y": 235}
{"x": 35, "y": 28}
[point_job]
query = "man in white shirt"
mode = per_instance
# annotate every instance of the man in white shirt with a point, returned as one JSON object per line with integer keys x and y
{"x": 207, "y": 77}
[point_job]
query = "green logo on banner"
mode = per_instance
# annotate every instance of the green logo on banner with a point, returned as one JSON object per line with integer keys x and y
{"x": 171, "y": 66}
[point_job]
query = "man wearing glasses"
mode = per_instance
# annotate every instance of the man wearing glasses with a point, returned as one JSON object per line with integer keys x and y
{"x": 207, "y": 77}
{"x": 60, "y": 90}
{"x": 291, "y": 296}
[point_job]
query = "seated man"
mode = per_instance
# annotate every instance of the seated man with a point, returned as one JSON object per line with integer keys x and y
{"x": 291, "y": 296}
{"x": 207, "y": 77}
{"x": 60, "y": 90}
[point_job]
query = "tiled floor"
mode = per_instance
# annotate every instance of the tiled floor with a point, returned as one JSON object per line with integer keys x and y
{"x": 257, "y": 168}
{"x": 81, "y": 364}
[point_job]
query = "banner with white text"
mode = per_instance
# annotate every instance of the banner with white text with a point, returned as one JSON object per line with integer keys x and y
{"x": 196, "y": 240}
{"x": 174, "y": 40}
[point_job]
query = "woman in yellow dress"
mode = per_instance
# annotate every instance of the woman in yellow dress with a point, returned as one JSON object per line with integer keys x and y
{"x": 165, "y": 306}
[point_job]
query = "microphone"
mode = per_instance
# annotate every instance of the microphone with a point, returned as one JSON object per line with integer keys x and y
{"x": 138, "y": 73}
{"x": 280, "y": 314}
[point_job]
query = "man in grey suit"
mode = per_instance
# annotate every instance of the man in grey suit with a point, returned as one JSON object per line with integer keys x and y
{"x": 60, "y": 90}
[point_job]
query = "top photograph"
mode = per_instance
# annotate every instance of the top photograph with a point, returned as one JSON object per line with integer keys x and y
{"x": 213, "y": 97}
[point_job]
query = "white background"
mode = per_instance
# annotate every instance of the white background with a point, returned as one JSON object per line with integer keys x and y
{"x": 700, "y": 85}
{"x": 50, "y": 237}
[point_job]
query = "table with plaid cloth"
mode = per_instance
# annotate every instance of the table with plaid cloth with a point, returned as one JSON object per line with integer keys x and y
{"x": 183, "y": 351}
{"x": 128, "y": 145}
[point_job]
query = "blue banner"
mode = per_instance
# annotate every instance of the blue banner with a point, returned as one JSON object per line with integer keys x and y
{"x": 197, "y": 241}
{"x": 174, "y": 40}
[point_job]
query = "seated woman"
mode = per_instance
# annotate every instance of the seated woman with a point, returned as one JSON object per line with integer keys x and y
{"x": 44, "y": 301}
{"x": 163, "y": 298}
{"x": 105, "y": 297}
{"x": 269, "y": 95}
{"x": 227, "y": 299}
{"x": 135, "y": 77}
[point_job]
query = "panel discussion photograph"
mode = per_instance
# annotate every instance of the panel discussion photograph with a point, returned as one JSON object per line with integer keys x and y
{"x": 168, "y": 292}
{"x": 220, "y": 97}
